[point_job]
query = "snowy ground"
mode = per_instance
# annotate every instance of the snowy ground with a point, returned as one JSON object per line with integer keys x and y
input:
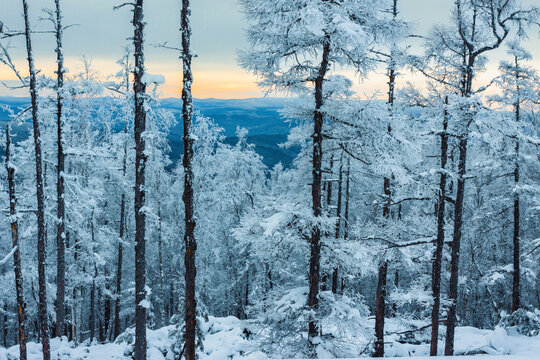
{"x": 225, "y": 340}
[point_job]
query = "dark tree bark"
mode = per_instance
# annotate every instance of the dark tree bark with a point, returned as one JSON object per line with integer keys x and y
{"x": 104, "y": 334}
{"x": 139, "y": 92}
{"x": 335, "y": 274}
{"x": 5, "y": 331}
{"x": 347, "y": 199}
{"x": 161, "y": 310}
{"x": 92, "y": 313}
{"x": 41, "y": 251}
{"x": 60, "y": 230}
{"x": 21, "y": 306}
{"x": 189, "y": 211}
{"x": 500, "y": 31}
{"x": 329, "y": 186}
{"x": 439, "y": 243}
{"x": 516, "y": 303}
{"x": 454, "y": 262}
{"x": 380, "y": 310}
{"x": 315, "y": 241}
{"x": 121, "y": 239}
{"x": 380, "y": 302}
{"x": 380, "y": 296}
{"x": 119, "y": 269}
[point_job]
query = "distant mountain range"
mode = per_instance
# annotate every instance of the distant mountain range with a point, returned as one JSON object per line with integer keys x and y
{"x": 260, "y": 116}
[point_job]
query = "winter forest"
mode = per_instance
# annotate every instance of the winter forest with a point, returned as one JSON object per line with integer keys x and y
{"x": 407, "y": 222}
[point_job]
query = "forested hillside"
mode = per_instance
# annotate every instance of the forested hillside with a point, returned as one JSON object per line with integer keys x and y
{"x": 325, "y": 222}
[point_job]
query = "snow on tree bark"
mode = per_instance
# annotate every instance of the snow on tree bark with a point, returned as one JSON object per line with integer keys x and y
{"x": 516, "y": 303}
{"x": 60, "y": 230}
{"x": 41, "y": 248}
{"x": 139, "y": 92}
{"x": 187, "y": 197}
{"x": 17, "y": 267}
{"x": 439, "y": 242}
{"x": 315, "y": 241}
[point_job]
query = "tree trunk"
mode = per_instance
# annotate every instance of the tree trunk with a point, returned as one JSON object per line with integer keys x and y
{"x": 41, "y": 251}
{"x": 315, "y": 241}
{"x": 119, "y": 269}
{"x": 189, "y": 236}
{"x": 439, "y": 244}
{"x": 454, "y": 262}
{"x": 21, "y": 306}
{"x": 107, "y": 314}
{"x": 516, "y": 273}
{"x": 380, "y": 296}
{"x": 92, "y": 314}
{"x": 139, "y": 90}
{"x": 122, "y": 224}
{"x": 347, "y": 198}
{"x": 383, "y": 268}
{"x": 161, "y": 310}
{"x": 5, "y": 331}
{"x": 60, "y": 233}
{"x": 380, "y": 310}
{"x": 335, "y": 274}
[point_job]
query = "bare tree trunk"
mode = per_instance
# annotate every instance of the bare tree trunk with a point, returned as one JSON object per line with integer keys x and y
{"x": 380, "y": 296}
{"x": 5, "y": 331}
{"x": 468, "y": 75}
{"x": 21, "y": 306}
{"x": 380, "y": 301}
{"x": 439, "y": 244}
{"x": 119, "y": 269}
{"x": 516, "y": 303}
{"x": 122, "y": 222}
{"x": 189, "y": 236}
{"x": 347, "y": 200}
{"x": 106, "y": 314}
{"x": 335, "y": 274}
{"x": 41, "y": 251}
{"x": 161, "y": 310}
{"x": 92, "y": 314}
{"x": 139, "y": 90}
{"x": 315, "y": 243}
{"x": 454, "y": 262}
{"x": 380, "y": 310}
{"x": 77, "y": 292}
{"x": 60, "y": 233}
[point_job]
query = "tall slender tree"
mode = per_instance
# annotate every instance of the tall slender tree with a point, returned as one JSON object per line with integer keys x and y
{"x": 21, "y": 305}
{"x": 519, "y": 84}
{"x": 439, "y": 243}
{"x": 122, "y": 228}
{"x": 187, "y": 197}
{"x": 41, "y": 249}
{"x": 60, "y": 212}
{"x": 482, "y": 27}
{"x": 300, "y": 61}
{"x": 139, "y": 93}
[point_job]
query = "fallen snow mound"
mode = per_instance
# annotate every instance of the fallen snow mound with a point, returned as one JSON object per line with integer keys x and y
{"x": 229, "y": 339}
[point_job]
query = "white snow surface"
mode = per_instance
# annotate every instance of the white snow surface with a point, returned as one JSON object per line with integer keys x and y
{"x": 225, "y": 340}
{"x": 150, "y": 79}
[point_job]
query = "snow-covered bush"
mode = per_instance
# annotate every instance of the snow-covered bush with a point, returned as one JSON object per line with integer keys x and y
{"x": 523, "y": 321}
{"x": 342, "y": 322}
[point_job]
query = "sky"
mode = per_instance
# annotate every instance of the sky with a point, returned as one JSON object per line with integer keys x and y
{"x": 100, "y": 34}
